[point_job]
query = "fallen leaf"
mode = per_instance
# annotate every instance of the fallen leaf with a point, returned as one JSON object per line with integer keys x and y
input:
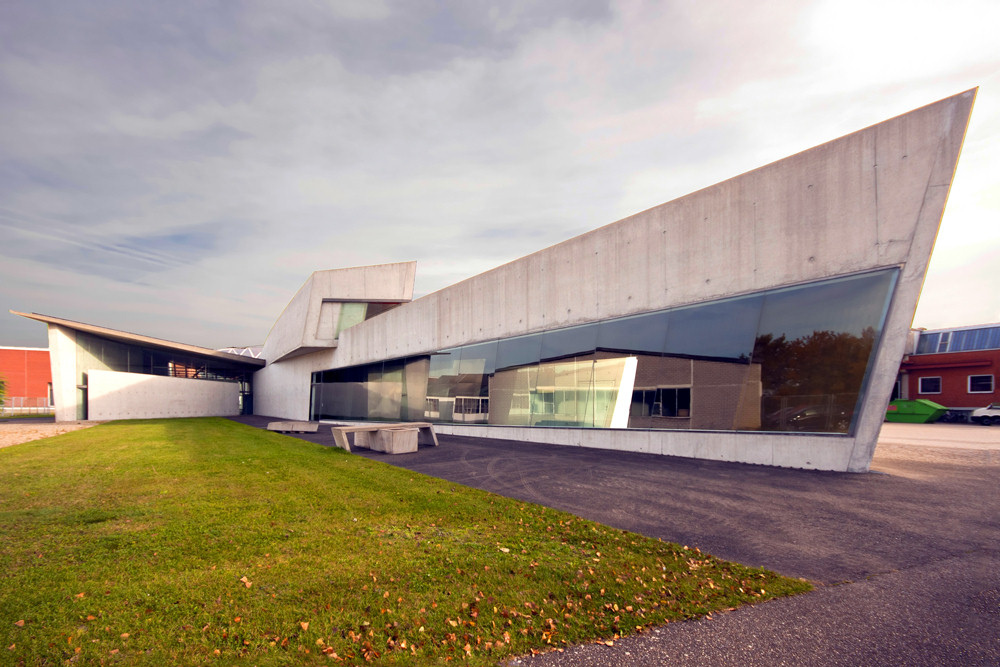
{"x": 11, "y": 647}
{"x": 246, "y": 582}
{"x": 237, "y": 619}
{"x": 114, "y": 651}
{"x": 79, "y": 595}
{"x": 91, "y": 618}
{"x": 20, "y": 623}
{"x": 304, "y": 625}
{"x": 124, "y": 635}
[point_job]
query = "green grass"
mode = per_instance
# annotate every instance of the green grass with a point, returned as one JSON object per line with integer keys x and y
{"x": 205, "y": 541}
{"x": 27, "y": 415}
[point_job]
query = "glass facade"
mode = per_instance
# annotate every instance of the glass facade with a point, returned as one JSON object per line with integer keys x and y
{"x": 793, "y": 359}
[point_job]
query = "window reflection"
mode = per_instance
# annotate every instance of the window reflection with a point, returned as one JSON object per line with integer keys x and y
{"x": 793, "y": 359}
{"x": 814, "y": 346}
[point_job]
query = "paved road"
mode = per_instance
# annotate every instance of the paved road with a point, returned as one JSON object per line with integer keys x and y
{"x": 906, "y": 558}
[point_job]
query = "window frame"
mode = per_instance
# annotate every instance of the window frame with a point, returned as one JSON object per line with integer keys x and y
{"x": 920, "y": 384}
{"x": 968, "y": 384}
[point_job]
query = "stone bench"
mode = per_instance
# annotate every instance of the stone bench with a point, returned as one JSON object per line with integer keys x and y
{"x": 293, "y": 427}
{"x": 401, "y": 438}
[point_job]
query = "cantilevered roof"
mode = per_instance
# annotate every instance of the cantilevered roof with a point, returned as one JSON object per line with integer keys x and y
{"x": 139, "y": 339}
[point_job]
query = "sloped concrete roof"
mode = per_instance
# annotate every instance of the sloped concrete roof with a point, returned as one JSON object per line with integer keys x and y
{"x": 139, "y": 339}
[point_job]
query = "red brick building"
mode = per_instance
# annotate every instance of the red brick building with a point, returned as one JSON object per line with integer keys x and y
{"x": 957, "y": 368}
{"x": 28, "y": 375}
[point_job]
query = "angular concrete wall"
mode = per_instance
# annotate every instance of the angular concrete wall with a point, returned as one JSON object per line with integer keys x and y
{"x": 870, "y": 200}
{"x": 309, "y": 321}
{"x": 115, "y": 395}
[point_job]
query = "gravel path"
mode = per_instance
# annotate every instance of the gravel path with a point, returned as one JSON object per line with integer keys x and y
{"x": 16, "y": 431}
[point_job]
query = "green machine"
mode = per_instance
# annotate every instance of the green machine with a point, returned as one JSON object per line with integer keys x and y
{"x": 919, "y": 411}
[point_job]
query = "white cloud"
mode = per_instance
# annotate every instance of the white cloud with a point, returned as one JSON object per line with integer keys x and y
{"x": 251, "y": 146}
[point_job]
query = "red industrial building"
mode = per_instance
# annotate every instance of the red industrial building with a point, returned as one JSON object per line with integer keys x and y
{"x": 956, "y": 367}
{"x": 28, "y": 375}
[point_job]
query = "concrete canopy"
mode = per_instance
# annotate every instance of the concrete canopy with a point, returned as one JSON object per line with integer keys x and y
{"x": 309, "y": 321}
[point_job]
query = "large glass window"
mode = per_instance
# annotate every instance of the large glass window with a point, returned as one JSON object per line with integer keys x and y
{"x": 793, "y": 359}
{"x": 814, "y": 345}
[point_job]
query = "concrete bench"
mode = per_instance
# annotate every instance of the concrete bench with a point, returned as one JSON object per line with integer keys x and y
{"x": 293, "y": 427}
{"x": 401, "y": 438}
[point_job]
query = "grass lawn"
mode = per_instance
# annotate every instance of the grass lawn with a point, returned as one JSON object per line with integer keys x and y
{"x": 195, "y": 541}
{"x": 27, "y": 415}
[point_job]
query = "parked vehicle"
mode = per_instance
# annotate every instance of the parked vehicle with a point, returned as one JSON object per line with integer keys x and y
{"x": 988, "y": 415}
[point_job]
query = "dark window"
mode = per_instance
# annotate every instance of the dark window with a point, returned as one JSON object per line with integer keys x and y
{"x": 930, "y": 385}
{"x": 980, "y": 384}
{"x": 928, "y": 343}
{"x": 673, "y": 402}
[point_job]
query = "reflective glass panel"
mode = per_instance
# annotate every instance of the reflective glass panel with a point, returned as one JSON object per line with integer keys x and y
{"x": 520, "y": 351}
{"x": 472, "y": 387}
{"x": 350, "y": 314}
{"x": 569, "y": 342}
{"x": 794, "y": 359}
{"x": 641, "y": 334}
{"x": 927, "y": 343}
{"x": 511, "y": 396}
{"x": 442, "y": 385}
{"x": 723, "y": 330}
{"x": 813, "y": 346}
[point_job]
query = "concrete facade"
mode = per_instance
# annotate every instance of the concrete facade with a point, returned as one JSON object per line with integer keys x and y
{"x": 870, "y": 200}
{"x": 115, "y": 395}
{"x": 304, "y": 337}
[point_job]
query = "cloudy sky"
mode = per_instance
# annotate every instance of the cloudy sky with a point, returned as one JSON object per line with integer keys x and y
{"x": 178, "y": 168}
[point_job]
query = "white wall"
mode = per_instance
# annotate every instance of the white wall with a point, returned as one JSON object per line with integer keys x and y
{"x": 282, "y": 389}
{"x": 115, "y": 395}
{"x": 62, "y": 359}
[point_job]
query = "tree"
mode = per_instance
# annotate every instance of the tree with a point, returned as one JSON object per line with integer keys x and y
{"x": 3, "y": 390}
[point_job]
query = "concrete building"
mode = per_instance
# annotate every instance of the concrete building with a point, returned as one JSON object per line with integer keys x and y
{"x": 101, "y": 373}
{"x": 759, "y": 320}
{"x": 29, "y": 380}
{"x": 955, "y": 367}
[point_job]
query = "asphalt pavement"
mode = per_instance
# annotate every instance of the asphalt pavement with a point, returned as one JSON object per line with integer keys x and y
{"x": 906, "y": 558}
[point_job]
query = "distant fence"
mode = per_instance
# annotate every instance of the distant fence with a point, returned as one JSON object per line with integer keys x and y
{"x": 25, "y": 405}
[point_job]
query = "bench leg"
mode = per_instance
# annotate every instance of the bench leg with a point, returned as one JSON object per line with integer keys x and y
{"x": 429, "y": 432}
{"x": 340, "y": 438}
